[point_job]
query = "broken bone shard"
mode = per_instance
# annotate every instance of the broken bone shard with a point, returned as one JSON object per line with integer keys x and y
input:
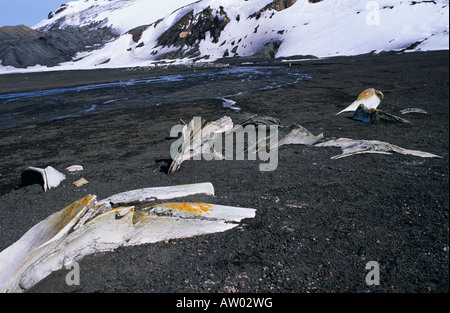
{"x": 48, "y": 177}
{"x": 351, "y": 147}
{"x": 297, "y": 135}
{"x": 294, "y": 134}
{"x": 159, "y": 193}
{"x": 259, "y": 120}
{"x": 370, "y": 116}
{"x": 413, "y": 110}
{"x": 79, "y": 230}
{"x": 210, "y": 211}
{"x": 196, "y": 140}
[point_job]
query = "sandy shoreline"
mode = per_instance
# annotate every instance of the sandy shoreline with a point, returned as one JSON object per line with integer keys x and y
{"x": 318, "y": 222}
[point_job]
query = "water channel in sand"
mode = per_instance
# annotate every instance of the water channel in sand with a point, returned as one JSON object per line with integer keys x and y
{"x": 51, "y": 104}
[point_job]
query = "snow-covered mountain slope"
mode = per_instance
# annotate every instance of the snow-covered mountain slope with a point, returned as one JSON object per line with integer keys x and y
{"x": 121, "y": 15}
{"x": 205, "y": 30}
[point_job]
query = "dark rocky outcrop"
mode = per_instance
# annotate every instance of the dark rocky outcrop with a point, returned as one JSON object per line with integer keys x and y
{"x": 21, "y": 31}
{"x": 21, "y": 46}
{"x": 277, "y": 5}
{"x": 59, "y": 10}
{"x": 280, "y": 5}
{"x": 136, "y": 32}
{"x": 190, "y": 29}
{"x": 268, "y": 51}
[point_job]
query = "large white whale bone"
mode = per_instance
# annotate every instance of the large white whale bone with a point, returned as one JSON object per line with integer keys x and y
{"x": 15, "y": 259}
{"x": 87, "y": 226}
{"x": 159, "y": 193}
{"x": 51, "y": 177}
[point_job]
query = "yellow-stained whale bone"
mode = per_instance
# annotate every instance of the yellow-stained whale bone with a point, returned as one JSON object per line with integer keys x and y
{"x": 194, "y": 208}
{"x": 87, "y": 226}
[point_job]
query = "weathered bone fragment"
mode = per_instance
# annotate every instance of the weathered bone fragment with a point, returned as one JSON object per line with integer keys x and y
{"x": 80, "y": 182}
{"x": 196, "y": 140}
{"x": 159, "y": 193}
{"x": 16, "y": 259}
{"x": 260, "y": 120}
{"x": 413, "y": 110}
{"x": 48, "y": 177}
{"x": 351, "y": 147}
{"x": 209, "y": 211}
{"x": 370, "y": 116}
{"x": 297, "y": 135}
{"x": 370, "y": 98}
{"x": 88, "y": 226}
{"x": 287, "y": 135}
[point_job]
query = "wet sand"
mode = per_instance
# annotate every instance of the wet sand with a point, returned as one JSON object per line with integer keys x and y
{"x": 319, "y": 221}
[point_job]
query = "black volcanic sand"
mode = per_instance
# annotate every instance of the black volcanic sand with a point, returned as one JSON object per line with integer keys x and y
{"x": 318, "y": 222}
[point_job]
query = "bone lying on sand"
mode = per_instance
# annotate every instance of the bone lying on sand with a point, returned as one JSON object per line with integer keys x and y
{"x": 370, "y": 98}
{"x": 413, "y": 110}
{"x": 199, "y": 138}
{"x": 352, "y": 147}
{"x": 196, "y": 140}
{"x": 285, "y": 135}
{"x": 88, "y": 226}
{"x": 370, "y": 116}
{"x": 365, "y": 109}
{"x": 48, "y": 177}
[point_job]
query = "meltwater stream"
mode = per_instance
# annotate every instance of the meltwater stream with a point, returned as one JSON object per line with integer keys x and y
{"x": 44, "y": 105}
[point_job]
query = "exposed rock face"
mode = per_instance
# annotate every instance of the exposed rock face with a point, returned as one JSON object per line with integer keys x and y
{"x": 21, "y": 46}
{"x": 268, "y": 51}
{"x": 190, "y": 29}
{"x": 136, "y": 32}
{"x": 21, "y": 31}
{"x": 277, "y": 5}
{"x": 280, "y": 5}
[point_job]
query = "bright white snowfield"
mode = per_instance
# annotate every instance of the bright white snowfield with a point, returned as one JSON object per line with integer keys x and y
{"x": 324, "y": 29}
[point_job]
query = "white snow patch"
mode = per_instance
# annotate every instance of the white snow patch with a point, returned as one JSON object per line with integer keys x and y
{"x": 325, "y": 29}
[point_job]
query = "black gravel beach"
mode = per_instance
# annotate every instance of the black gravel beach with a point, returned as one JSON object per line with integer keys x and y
{"x": 319, "y": 221}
